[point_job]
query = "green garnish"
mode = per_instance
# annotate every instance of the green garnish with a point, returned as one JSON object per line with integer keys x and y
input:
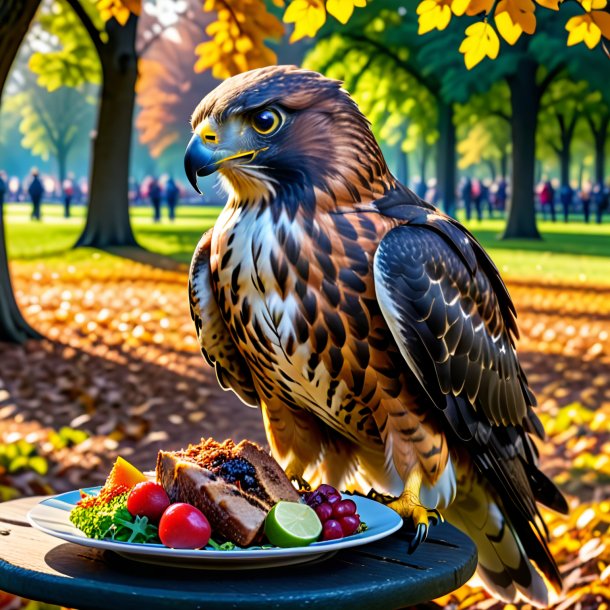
{"x": 110, "y": 519}
{"x": 225, "y": 546}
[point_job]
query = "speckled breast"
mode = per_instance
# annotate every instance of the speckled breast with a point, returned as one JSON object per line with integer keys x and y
{"x": 298, "y": 298}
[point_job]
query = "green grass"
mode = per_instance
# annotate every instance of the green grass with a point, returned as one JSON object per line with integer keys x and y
{"x": 574, "y": 252}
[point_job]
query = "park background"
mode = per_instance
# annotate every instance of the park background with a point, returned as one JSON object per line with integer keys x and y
{"x": 98, "y": 356}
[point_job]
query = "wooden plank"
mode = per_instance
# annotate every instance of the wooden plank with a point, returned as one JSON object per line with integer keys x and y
{"x": 378, "y": 576}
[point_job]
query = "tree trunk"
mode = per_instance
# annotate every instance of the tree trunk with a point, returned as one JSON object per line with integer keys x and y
{"x": 504, "y": 164}
{"x": 62, "y": 155}
{"x": 601, "y": 136}
{"x": 492, "y": 169}
{"x": 445, "y": 172}
{"x": 108, "y": 223}
{"x": 565, "y": 160}
{"x": 525, "y": 101}
{"x": 423, "y": 162}
{"x": 15, "y": 19}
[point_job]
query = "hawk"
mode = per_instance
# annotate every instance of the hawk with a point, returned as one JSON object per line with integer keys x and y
{"x": 372, "y": 330}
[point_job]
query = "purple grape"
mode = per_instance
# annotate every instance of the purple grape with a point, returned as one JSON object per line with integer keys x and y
{"x": 315, "y": 498}
{"x": 332, "y": 498}
{"x": 332, "y": 530}
{"x": 343, "y": 508}
{"x": 324, "y": 511}
{"x": 327, "y": 489}
{"x": 349, "y": 524}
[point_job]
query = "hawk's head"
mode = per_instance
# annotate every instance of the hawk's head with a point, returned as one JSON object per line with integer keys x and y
{"x": 281, "y": 128}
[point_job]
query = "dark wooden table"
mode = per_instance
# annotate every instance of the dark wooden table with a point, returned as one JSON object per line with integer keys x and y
{"x": 379, "y": 575}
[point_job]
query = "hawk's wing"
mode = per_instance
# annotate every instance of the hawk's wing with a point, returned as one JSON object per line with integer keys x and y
{"x": 216, "y": 342}
{"x": 453, "y": 321}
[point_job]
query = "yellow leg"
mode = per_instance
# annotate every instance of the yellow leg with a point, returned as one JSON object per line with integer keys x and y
{"x": 408, "y": 506}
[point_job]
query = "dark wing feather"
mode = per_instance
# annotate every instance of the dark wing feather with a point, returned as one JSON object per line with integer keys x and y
{"x": 217, "y": 345}
{"x": 454, "y": 323}
{"x": 450, "y": 322}
{"x": 456, "y": 333}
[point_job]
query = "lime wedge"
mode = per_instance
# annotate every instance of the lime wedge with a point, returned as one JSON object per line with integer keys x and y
{"x": 291, "y": 524}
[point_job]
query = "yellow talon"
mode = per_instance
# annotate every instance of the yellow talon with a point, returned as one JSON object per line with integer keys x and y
{"x": 409, "y": 507}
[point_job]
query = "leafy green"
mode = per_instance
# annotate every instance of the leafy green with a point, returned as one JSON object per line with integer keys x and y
{"x": 112, "y": 520}
{"x": 225, "y": 546}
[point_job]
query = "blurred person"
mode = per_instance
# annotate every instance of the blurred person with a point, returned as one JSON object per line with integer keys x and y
{"x": 546, "y": 197}
{"x": 171, "y": 195}
{"x": 501, "y": 195}
{"x": 36, "y": 191}
{"x": 3, "y": 188}
{"x": 68, "y": 194}
{"x": 600, "y": 199}
{"x": 566, "y": 195}
{"x": 486, "y": 198}
{"x": 431, "y": 191}
{"x": 466, "y": 196}
{"x": 584, "y": 195}
{"x": 476, "y": 192}
{"x": 154, "y": 193}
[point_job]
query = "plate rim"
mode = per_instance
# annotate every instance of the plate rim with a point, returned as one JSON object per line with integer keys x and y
{"x": 204, "y": 555}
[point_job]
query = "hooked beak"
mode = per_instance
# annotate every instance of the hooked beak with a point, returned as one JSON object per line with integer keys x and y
{"x": 198, "y": 161}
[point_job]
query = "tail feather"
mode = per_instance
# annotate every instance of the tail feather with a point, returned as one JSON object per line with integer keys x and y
{"x": 505, "y": 566}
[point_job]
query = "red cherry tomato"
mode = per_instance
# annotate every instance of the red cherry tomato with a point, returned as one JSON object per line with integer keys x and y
{"x": 183, "y": 526}
{"x": 148, "y": 499}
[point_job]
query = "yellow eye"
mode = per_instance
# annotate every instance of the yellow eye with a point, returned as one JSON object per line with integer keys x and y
{"x": 266, "y": 121}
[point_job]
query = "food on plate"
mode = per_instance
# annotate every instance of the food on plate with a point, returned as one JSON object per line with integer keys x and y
{"x": 124, "y": 474}
{"x": 105, "y": 515}
{"x": 235, "y": 486}
{"x": 338, "y": 516}
{"x": 148, "y": 499}
{"x": 291, "y": 524}
{"x": 238, "y": 493}
{"x": 183, "y": 526}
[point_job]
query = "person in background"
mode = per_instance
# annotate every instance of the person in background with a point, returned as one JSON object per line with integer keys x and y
{"x": 477, "y": 197}
{"x": 171, "y": 195}
{"x": 501, "y": 195}
{"x": 585, "y": 200}
{"x": 68, "y": 193}
{"x": 547, "y": 199}
{"x": 466, "y": 196}
{"x": 566, "y": 194}
{"x": 154, "y": 192}
{"x": 3, "y": 188}
{"x": 486, "y": 198}
{"x": 36, "y": 191}
{"x": 600, "y": 198}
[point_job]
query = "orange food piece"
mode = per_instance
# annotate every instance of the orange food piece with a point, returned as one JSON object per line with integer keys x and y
{"x": 124, "y": 474}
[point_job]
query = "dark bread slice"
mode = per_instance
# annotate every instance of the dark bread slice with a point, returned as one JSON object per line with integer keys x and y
{"x": 235, "y": 486}
{"x": 231, "y": 515}
{"x": 273, "y": 481}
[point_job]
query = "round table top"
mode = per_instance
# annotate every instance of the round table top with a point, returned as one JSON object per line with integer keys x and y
{"x": 379, "y": 575}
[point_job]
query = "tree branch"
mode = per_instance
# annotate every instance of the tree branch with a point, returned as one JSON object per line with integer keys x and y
{"x": 404, "y": 65}
{"x": 501, "y": 115}
{"x": 548, "y": 79}
{"x": 88, "y": 24}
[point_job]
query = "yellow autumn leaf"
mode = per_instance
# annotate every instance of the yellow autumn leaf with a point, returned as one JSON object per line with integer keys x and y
{"x": 118, "y": 9}
{"x": 602, "y": 21}
{"x": 551, "y": 4}
{"x": 308, "y": 17}
{"x": 583, "y": 29}
{"x": 513, "y": 17}
{"x": 458, "y": 7}
{"x": 342, "y": 9}
{"x": 591, "y": 5}
{"x": 433, "y": 14}
{"x": 477, "y": 7}
{"x": 481, "y": 41}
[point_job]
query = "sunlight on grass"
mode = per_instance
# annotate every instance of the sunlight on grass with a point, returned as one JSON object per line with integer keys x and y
{"x": 574, "y": 252}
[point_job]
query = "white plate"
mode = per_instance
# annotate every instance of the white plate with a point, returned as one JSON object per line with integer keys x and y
{"x": 51, "y": 516}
